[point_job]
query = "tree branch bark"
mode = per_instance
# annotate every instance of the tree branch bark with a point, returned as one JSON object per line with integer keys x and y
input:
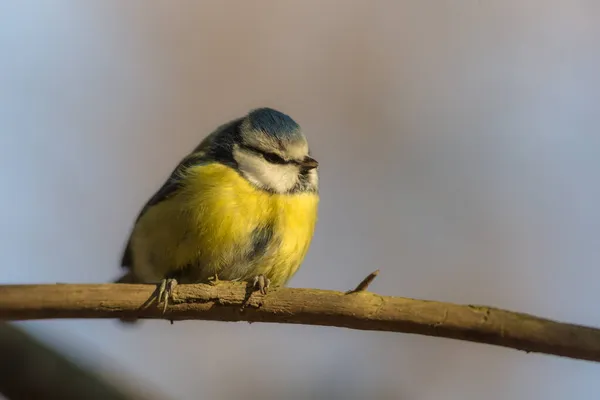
{"x": 358, "y": 309}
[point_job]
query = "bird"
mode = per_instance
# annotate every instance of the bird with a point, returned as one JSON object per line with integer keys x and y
{"x": 241, "y": 206}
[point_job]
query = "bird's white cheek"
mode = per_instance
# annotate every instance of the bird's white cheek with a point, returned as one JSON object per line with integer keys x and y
{"x": 279, "y": 178}
{"x": 313, "y": 178}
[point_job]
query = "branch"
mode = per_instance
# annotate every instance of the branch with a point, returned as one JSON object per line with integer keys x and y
{"x": 358, "y": 309}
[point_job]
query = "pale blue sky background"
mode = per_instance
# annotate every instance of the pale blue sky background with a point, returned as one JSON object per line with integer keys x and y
{"x": 459, "y": 152}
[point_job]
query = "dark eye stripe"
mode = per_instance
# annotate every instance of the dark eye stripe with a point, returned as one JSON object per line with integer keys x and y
{"x": 274, "y": 158}
{"x": 270, "y": 157}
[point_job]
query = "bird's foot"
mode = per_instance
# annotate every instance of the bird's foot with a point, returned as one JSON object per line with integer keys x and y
{"x": 214, "y": 280}
{"x": 261, "y": 283}
{"x": 165, "y": 292}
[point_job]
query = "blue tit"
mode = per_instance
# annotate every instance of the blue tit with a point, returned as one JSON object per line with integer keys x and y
{"x": 242, "y": 206}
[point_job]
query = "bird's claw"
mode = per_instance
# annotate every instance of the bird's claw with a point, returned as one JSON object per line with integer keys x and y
{"x": 165, "y": 292}
{"x": 214, "y": 280}
{"x": 261, "y": 283}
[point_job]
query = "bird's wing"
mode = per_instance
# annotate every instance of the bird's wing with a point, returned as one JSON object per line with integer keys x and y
{"x": 199, "y": 155}
{"x": 168, "y": 189}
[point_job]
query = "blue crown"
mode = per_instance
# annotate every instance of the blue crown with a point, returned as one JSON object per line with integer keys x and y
{"x": 274, "y": 123}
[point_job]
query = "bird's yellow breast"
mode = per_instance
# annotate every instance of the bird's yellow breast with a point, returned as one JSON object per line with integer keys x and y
{"x": 219, "y": 223}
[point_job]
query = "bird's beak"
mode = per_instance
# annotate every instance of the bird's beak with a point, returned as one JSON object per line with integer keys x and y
{"x": 309, "y": 163}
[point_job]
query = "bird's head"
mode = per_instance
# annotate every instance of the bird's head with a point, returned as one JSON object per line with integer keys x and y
{"x": 273, "y": 154}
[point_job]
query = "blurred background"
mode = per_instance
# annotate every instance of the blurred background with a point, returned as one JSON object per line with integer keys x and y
{"x": 459, "y": 152}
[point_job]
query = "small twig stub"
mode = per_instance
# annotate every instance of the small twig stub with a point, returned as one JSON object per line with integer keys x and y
{"x": 364, "y": 284}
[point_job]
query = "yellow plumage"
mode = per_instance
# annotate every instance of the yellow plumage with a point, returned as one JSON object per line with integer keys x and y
{"x": 241, "y": 206}
{"x": 210, "y": 227}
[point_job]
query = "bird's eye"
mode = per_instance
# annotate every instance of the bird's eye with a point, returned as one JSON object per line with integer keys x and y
{"x": 274, "y": 158}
